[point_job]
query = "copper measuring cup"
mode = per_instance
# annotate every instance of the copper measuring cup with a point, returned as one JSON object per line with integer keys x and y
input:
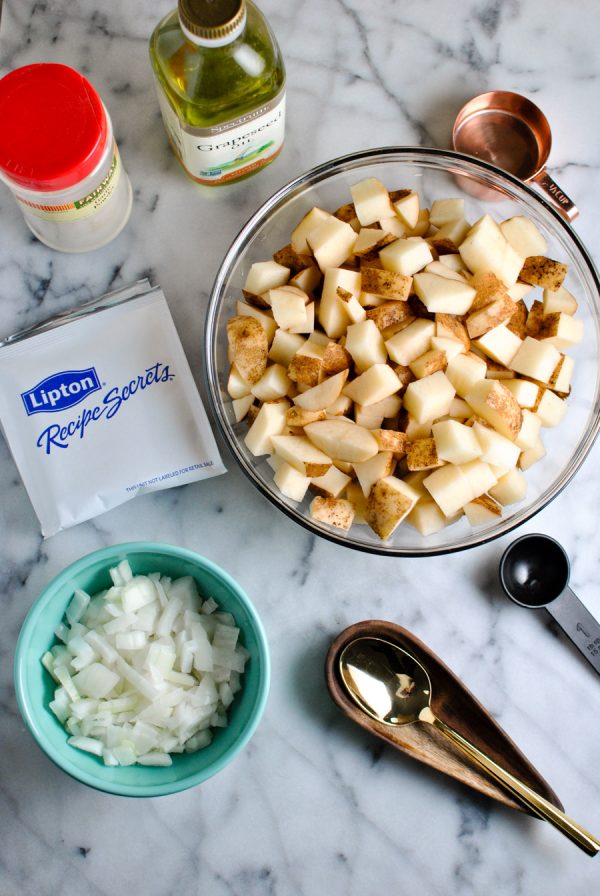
{"x": 510, "y": 131}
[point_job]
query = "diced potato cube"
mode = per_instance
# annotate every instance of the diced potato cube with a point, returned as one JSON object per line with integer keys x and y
{"x": 333, "y": 313}
{"x": 377, "y": 467}
{"x": 270, "y": 421}
{"x": 541, "y": 271}
{"x": 265, "y": 275}
{"x": 332, "y": 483}
{"x": 301, "y": 454}
{"x": 365, "y": 343}
{"x": 510, "y": 488}
{"x": 290, "y": 482}
{"x": 443, "y": 211}
{"x": 455, "y": 442}
{"x": 560, "y": 381}
{"x": 524, "y": 236}
{"x": 430, "y": 397}
{"x": 450, "y": 347}
{"x": 389, "y": 502}
{"x": 442, "y": 270}
{"x": 524, "y": 391}
{"x": 482, "y": 510}
{"x": 530, "y": 456}
{"x": 322, "y": 396}
{"x": 449, "y": 488}
{"x": 535, "y": 359}
{"x": 331, "y": 242}
{"x": 406, "y": 256}
{"x": 273, "y": 384}
{"x": 265, "y": 319}
{"x": 489, "y": 316}
{"x": 407, "y": 208}
{"x": 421, "y": 454}
{"x": 496, "y": 449}
{"x": 284, "y": 346}
{"x": 428, "y": 363}
{"x": 410, "y": 342}
{"x": 249, "y": 347}
{"x": 486, "y": 249}
{"x": 373, "y": 385}
{"x": 559, "y": 300}
{"x": 241, "y": 406}
{"x": 441, "y": 294}
{"x": 354, "y": 494}
{"x": 530, "y": 430}
{"x": 491, "y": 400}
{"x": 336, "y": 512}
{"x": 449, "y": 326}
{"x": 388, "y": 284}
{"x": 371, "y": 201}
{"x": 308, "y": 223}
{"x": 391, "y": 440}
{"x": 561, "y": 330}
{"x": 499, "y": 344}
{"x": 342, "y": 439}
{"x": 427, "y": 518}
{"x": 549, "y": 408}
{"x": 237, "y": 387}
{"x": 288, "y": 304}
{"x": 464, "y": 371}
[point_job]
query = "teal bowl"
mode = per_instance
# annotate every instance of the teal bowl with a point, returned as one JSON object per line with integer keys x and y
{"x": 35, "y": 688}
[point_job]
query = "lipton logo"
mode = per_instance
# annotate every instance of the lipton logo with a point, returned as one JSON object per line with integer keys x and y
{"x": 60, "y": 391}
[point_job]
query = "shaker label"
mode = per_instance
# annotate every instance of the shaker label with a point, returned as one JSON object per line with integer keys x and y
{"x": 221, "y": 153}
{"x": 84, "y": 206}
{"x": 60, "y": 391}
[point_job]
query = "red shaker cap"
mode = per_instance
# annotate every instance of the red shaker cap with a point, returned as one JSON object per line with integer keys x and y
{"x": 53, "y": 127}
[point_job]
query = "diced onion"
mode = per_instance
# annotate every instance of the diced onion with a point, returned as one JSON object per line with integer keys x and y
{"x": 145, "y": 669}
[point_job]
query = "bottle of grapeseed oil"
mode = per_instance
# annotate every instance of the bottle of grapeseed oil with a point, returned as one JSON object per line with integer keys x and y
{"x": 221, "y": 88}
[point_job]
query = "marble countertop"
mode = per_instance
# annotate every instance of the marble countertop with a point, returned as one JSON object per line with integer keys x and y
{"x": 313, "y": 805}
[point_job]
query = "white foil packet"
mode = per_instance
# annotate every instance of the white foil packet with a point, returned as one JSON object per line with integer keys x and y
{"x": 99, "y": 405}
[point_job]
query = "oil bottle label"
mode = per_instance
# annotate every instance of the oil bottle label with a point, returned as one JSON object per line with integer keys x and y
{"x": 233, "y": 149}
{"x": 84, "y": 205}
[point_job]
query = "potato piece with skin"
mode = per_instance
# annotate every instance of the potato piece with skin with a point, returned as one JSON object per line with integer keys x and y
{"x": 288, "y": 257}
{"x": 333, "y": 315}
{"x": 265, "y": 319}
{"x": 322, "y": 396}
{"x": 370, "y": 471}
{"x": 337, "y": 512}
{"x": 389, "y": 502}
{"x": 491, "y": 400}
{"x": 299, "y": 417}
{"x": 429, "y": 363}
{"x": 406, "y": 256}
{"x": 482, "y": 510}
{"x": 549, "y": 407}
{"x": 391, "y": 440}
{"x": 352, "y": 306}
{"x": 442, "y": 270}
{"x": 455, "y": 442}
{"x": 342, "y": 439}
{"x": 335, "y": 359}
{"x": 265, "y": 275}
{"x": 541, "y": 271}
{"x": 307, "y": 280}
{"x": 517, "y": 324}
{"x": 305, "y": 370}
{"x": 450, "y": 347}
{"x": 249, "y": 347}
{"x": 375, "y": 384}
{"x": 498, "y": 312}
{"x": 443, "y": 295}
{"x": 450, "y": 327}
{"x": 389, "y": 313}
{"x": 430, "y": 397}
{"x": 421, "y": 454}
{"x": 270, "y": 421}
{"x": 370, "y": 239}
{"x": 561, "y": 330}
{"x": 388, "y": 284}
{"x": 301, "y": 454}
{"x": 535, "y": 317}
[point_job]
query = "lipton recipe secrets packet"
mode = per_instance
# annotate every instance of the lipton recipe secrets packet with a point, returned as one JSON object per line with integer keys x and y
{"x": 99, "y": 405}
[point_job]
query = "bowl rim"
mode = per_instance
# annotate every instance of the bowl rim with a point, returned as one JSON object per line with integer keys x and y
{"x": 313, "y": 177}
{"x": 25, "y": 705}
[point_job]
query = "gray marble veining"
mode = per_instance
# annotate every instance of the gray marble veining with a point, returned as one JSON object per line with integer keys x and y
{"x": 313, "y": 805}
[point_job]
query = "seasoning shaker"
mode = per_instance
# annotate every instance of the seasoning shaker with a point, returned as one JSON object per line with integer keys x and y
{"x": 59, "y": 158}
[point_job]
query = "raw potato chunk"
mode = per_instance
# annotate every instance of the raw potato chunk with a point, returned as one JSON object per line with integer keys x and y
{"x": 524, "y": 391}
{"x": 510, "y": 488}
{"x": 406, "y": 256}
{"x": 322, "y": 396}
{"x": 529, "y": 432}
{"x": 241, "y": 406}
{"x": 273, "y": 384}
{"x": 284, "y": 347}
{"x": 365, "y": 344}
{"x": 249, "y": 347}
{"x": 524, "y": 236}
{"x": 388, "y": 284}
{"x": 265, "y": 275}
{"x": 497, "y": 312}
{"x": 407, "y": 209}
{"x": 549, "y": 408}
{"x": 491, "y": 400}
{"x": 427, "y": 518}
{"x": 429, "y": 398}
{"x": 342, "y": 439}
{"x": 559, "y": 300}
{"x": 561, "y": 330}
{"x": 237, "y": 387}
{"x": 499, "y": 344}
{"x": 444, "y": 295}
{"x": 531, "y": 455}
{"x": 371, "y": 201}
{"x": 410, "y": 342}
{"x": 536, "y": 359}
{"x": 485, "y": 249}
{"x": 301, "y": 454}
{"x": 455, "y": 442}
{"x": 375, "y": 384}
{"x": 450, "y": 327}
{"x": 449, "y": 488}
{"x": 421, "y": 454}
{"x": 495, "y": 448}
{"x": 336, "y": 512}
{"x": 298, "y": 417}
{"x": 270, "y": 421}
{"x": 442, "y": 270}
{"x": 464, "y": 371}
{"x": 308, "y": 223}
{"x": 482, "y": 510}
{"x": 389, "y": 502}
{"x": 388, "y": 314}
{"x": 391, "y": 440}
{"x": 450, "y": 347}
{"x": 266, "y": 321}
{"x": 370, "y": 471}
{"x": 290, "y": 482}
{"x": 333, "y": 314}
{"x": 288, "y": 304}
{"x": 443, "y": 211}
{"x": 331, "y": 242}
{"x": 429, "y": 363}
{"x": 305, "y": 369}
{"x": 332, "y": 483}
{"x": 541, "y": 271}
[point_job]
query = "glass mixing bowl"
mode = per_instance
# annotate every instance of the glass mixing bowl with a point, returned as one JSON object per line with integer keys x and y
{"x": 433, "y": 174}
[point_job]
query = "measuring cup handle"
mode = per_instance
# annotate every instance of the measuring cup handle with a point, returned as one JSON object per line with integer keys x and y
{"x": 566, "y": 206}
{"x": 578, "y": 624}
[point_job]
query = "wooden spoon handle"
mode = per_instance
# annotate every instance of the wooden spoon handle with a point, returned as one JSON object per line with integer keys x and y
{"x": 536, "y": 803}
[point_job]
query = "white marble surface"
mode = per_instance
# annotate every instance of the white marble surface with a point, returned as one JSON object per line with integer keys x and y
{"x": 313, "y": 805}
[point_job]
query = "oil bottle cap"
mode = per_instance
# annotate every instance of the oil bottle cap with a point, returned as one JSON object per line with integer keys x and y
{"x": 53, "y": 127}
{"x": 212, "y": 22}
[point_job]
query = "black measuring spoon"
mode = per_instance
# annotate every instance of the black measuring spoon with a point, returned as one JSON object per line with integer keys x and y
{"x": 534, "y": 572}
